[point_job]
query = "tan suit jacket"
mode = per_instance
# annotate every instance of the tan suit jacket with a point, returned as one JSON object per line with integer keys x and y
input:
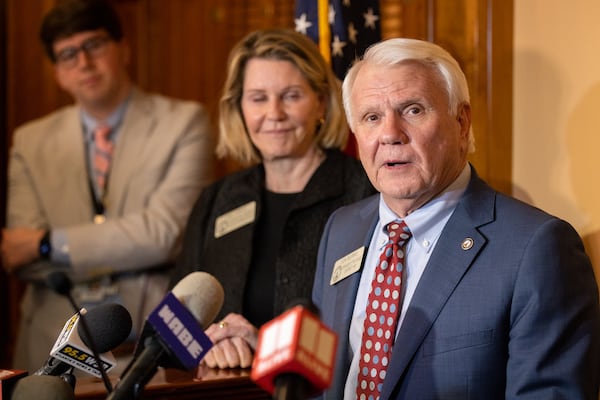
{"x": 163, "y": 157}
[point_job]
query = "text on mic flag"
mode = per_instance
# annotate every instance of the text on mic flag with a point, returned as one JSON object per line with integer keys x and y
{"x": 70, "y": 349}
{"x": 180, "y": 331}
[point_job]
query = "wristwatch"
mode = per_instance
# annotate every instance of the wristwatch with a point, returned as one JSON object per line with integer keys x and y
{"x": 45, "y": 247}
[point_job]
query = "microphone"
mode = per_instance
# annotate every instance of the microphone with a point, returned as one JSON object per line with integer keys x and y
{"x": 110, "y": 324}
{"x": 295, "y": 354}
{"x": 173, "y": 335}
{"x": 42, "y": 387}
{"x": 61, "y": 284}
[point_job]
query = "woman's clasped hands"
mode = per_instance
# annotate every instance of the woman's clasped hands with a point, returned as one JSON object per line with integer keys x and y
{"x": 234, "y": 341}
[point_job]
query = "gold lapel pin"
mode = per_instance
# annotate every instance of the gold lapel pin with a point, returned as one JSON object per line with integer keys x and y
{"x": 467, "y": 244}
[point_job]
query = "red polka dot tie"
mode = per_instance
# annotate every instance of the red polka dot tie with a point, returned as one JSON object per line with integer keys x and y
{"x": 102, "y": 155}
{"x": 383, "y": 309}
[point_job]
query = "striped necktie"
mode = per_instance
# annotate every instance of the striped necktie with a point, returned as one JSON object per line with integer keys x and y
{"x": 102, "y": 156}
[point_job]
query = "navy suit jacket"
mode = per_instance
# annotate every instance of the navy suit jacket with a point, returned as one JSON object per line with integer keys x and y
{"x": 515, "y": 316}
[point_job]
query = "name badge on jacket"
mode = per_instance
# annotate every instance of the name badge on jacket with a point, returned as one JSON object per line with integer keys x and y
{"x": 235, "y": 219}
{"x": 347, "y": 265}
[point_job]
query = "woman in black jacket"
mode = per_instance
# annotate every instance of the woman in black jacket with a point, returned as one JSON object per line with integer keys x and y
{"x": 257, "y": 231}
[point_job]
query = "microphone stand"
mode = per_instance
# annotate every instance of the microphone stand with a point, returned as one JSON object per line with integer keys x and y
{"x": 291, "y": 386}
{"x": 69, "y": 378}
{"x": 84, "y": 325}
{"x": 61, "y": 284}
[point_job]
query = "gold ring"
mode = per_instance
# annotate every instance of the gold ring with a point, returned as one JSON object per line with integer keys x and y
{"x": 222, "y": 324}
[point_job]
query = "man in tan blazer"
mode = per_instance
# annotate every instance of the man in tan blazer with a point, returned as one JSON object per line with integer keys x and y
{"x": 115, "y": 238}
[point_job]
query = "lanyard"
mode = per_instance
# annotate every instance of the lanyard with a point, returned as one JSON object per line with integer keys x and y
{"x": 97, "y": 204}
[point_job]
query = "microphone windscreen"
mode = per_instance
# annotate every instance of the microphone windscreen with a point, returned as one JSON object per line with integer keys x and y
{"x": 59, "y": 282}
{"x": 202, "y": 294}
{"x": 42, "y": 387}
{"x": 109, "y": 325}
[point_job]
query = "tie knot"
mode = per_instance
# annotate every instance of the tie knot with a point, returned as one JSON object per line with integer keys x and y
{"x": 398, "y": 232}
{"x": 101, "y": 133}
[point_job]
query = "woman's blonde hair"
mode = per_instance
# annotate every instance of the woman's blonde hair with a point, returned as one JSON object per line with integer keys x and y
{"x": 286, "y": 45}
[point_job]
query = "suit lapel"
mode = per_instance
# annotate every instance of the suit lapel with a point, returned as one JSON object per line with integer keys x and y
{"x": 136, "y": 127}
{"x": 346, "y": 288}
{"x": 341, "y": 305}
{"x": 71, "y": 148}
{"x": 456, "y": 250}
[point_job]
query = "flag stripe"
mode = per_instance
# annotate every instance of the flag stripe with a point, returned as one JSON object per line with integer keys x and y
{"x": 324, "y": 31}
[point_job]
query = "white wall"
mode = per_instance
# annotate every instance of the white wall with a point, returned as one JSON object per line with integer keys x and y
{"x": 556, "y": 154}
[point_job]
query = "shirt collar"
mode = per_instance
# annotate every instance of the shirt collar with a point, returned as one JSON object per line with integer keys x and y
{"x": 114, "y": 120}
{"x": 426, "y": 223}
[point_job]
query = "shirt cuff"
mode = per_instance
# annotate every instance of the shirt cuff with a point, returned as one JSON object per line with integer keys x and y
{"x": 60, "y": 247}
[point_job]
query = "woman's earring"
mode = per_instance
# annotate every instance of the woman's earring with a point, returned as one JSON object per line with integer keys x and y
{"x": 320, "y": 123}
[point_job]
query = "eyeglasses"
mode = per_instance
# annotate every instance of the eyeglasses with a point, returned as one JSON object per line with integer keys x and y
{"x": 94, "y": 47}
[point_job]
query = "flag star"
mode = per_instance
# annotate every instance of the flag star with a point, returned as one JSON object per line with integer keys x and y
{"x": 370, "y": 19}
{"x": 331, "y": 15}
{"x": 302, "y": 24}
{"x": 352, "y": 32}
{"x": 337, "y": 47}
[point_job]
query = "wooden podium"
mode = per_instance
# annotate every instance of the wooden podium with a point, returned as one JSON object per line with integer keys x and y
{"x": 183, "y": 385}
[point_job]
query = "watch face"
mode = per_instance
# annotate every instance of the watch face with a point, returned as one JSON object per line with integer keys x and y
{"x": 45, "y": 246}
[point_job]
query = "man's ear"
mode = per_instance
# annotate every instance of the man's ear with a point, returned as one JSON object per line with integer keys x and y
{"x": 58, "y": 77}
{"x": 464, "y": 118}
{"x": 126, "y": 51}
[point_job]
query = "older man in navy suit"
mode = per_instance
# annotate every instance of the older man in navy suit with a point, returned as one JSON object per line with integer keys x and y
{"x": 493, "y": 298}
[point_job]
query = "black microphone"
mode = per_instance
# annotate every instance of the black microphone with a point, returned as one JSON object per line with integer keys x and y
{"x": 110, "y": 325}
{"x": 295, "y": 354}
{"x": 78, "y": 357}
{"x": 42, "y": 387}
{"x": 173, "y": 335}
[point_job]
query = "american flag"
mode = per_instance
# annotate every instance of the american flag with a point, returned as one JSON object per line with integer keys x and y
{"x": 342, "y": 28}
